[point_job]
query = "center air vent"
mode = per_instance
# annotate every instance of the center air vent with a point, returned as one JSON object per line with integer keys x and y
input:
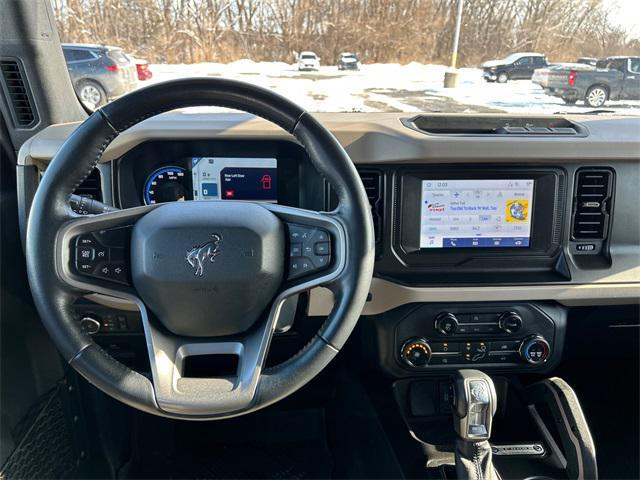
{"x": 591, "y": 203}
{"x": 372, "y": 181}
{"x": 17, "y": 93}
{"x": 90, "y": 187}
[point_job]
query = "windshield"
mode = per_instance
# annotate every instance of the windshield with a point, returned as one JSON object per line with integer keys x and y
{"x": 412, "y": 56}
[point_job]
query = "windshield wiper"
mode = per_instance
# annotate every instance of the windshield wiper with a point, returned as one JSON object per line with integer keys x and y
{"x": 589, "y": 112}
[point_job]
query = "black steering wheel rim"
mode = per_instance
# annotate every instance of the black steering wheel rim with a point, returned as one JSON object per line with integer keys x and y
{"x": 50, "y": 215}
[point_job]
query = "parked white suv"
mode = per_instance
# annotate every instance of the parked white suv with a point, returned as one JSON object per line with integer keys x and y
{"x": 308, "y": 61}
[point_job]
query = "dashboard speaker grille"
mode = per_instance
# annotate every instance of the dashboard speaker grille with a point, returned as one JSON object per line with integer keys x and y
{"x": 372, "y": 181}
{"x": 591, "y": 203}
{"x": 17, "y": 92}
{"x": 91, "y": 187}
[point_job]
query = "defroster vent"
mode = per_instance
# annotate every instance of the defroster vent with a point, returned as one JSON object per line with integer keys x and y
{"x": 592, "y": 203}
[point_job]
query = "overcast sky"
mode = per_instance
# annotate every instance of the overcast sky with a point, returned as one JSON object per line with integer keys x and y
{"x": 626, "y": 13}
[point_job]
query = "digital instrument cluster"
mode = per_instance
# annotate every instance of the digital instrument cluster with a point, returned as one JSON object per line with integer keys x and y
{"x": 214, "y": 178}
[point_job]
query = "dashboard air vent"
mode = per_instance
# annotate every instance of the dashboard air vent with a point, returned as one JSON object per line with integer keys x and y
{"x": 591, "y": 203}
{"x": 90, "y": 188}
{"x": 17, "y": 93}
{"x": 372, "y": 181}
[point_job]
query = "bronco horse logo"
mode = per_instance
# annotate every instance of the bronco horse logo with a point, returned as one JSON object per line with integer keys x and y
{"x": 198, "y": 255}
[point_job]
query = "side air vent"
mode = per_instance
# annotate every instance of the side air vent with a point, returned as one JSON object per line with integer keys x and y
{"x": 90, "y": 188}
{"x": 372, "y": 181}
{"x": 591, "y": 203}
{"x": 17, "y": 93}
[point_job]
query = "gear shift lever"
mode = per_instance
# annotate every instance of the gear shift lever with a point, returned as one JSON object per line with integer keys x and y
{"x": 474, "y": 404}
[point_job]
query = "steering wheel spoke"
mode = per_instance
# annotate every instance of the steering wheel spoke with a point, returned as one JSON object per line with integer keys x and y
{"x": 208, "y": 376}
{"x": 316, "y": 247}
{"x": 92, "y": 251}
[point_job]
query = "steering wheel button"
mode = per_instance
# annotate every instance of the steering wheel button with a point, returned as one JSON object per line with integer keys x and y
{"x": 85, "y": 267}
{"x": 307, "y": 249}
{"x": 320, "y": 261}
{"x": 322, "y": 248}
{"x": 104, "y": 271}
{"x": 86, "y": 240}
{"x": 101, "y": 253}
{"x": 295, "y": 250}
{"x": 321, "y": 236}
{"x": 85, "y": 254}
{"x": 119, "y": 270}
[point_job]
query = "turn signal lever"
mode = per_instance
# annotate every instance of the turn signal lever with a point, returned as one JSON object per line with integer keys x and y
{"x": 474, "y": 404}
{"x": 88, "y": 206}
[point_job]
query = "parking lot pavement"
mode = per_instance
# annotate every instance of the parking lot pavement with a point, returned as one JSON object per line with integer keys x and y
{"x": 386, "y": 87}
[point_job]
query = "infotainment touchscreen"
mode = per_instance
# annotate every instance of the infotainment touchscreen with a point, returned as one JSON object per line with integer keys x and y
{"x": 476, "y": 213}
{"x": 227, "y": 178}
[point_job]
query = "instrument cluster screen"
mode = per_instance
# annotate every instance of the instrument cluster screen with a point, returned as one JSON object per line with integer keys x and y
{"x": 227, "y": 178}
{"x": 476, "y": 213}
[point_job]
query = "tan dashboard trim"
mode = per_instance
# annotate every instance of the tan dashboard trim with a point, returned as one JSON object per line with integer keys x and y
{"x": 387, "y": 295}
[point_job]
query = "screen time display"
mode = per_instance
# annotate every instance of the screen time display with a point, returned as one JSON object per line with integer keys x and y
{"x": 226, "y": 178}
{"x": 476, "y": 213}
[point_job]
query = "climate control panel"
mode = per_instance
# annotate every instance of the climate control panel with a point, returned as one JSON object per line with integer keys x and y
{"x": 514, "y": 336}
{"x": 419, "y": 352}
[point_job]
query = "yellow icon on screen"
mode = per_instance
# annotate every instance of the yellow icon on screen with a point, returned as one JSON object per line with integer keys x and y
{"x": 517, "y": 210}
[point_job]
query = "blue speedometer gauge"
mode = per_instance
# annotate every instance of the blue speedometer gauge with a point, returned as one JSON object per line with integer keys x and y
{"x": 167, "y": 184}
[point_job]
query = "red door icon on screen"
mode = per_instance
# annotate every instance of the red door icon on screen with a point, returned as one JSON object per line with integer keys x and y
{"x": 265, "y": 181}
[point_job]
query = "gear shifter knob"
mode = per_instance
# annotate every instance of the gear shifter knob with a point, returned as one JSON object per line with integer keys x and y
{"x": 474, "y": 404}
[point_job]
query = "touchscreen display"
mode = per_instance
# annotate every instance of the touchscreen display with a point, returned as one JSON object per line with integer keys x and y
{"x": 226, "y": 178}
{"x": 475, "y": 213}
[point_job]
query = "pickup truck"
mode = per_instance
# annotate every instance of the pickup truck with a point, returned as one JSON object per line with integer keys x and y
{"x": 517, "y": 66}
{"x": 614, "y": 78}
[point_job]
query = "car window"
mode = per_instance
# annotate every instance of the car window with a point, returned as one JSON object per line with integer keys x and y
{"x": 538, "y": 60}
{"x": 634, "y": 65}
{"x": 77, "y": 55}
{"x": 618, "y": 64}
{"x": 524, "y": 61}
{"x": 118, "y": 56}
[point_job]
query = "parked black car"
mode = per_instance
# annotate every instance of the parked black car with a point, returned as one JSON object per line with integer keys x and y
{"x": 614, "y": 78}
{"x": 517, "y": 66}
{"x": 99, "y": 73}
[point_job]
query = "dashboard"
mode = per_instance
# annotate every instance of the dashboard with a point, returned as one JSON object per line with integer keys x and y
{"x": 458, "y": 217}
{"x": 484, "y": 242}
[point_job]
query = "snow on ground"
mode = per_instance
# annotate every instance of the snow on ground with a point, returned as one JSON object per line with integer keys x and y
{"x": 385, "y": 87}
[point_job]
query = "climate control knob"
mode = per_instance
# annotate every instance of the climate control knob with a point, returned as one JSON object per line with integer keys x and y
{"x": 446, "y": 323}
{"x": 535, "y": 350}
{"x": 510, "y": 322}
{"x": 416, "y": 352}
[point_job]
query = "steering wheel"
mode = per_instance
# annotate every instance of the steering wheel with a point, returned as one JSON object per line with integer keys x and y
{"x": 209, "y": 278}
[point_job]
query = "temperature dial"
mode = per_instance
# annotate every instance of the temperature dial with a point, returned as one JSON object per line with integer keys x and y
{"x": 416, "y": 352}
{"x": 535, "y": 350}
